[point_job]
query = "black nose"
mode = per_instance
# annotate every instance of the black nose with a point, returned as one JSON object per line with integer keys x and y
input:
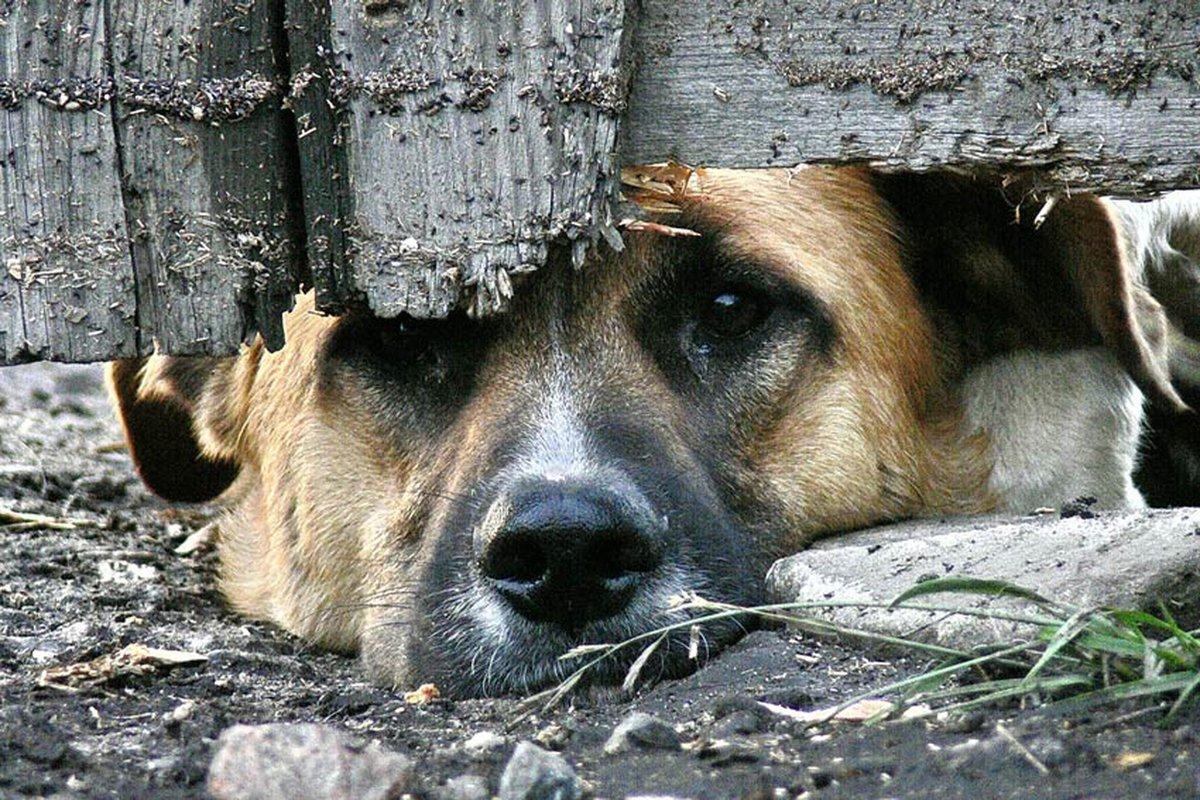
{"x": 570, "y": 554}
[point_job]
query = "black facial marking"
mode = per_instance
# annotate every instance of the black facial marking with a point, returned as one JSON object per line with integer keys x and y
{"x": 409, "y": 367}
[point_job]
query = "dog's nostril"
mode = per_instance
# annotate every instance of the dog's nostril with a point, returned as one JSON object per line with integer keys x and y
{"x": 517, "y": 560}
{"x": 618, "y": 554}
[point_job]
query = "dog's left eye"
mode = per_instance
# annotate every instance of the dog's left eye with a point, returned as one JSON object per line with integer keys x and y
{"x": 732, "y": 313}
{"x": 400, "y": 339}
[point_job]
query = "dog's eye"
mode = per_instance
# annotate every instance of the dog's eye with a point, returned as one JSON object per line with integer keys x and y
{"x": 733, "y": 313}
{"x": 399, "y": 338}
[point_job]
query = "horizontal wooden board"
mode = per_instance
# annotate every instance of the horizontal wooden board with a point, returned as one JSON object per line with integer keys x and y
{"x": 1097, "y": 94}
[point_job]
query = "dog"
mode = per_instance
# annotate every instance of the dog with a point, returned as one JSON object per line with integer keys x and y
{"x": 777, "y": 355}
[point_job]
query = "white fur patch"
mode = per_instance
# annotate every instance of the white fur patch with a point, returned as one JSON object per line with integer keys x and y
{"x": 1062, "y": 426}
{"x": 558, "y": 449}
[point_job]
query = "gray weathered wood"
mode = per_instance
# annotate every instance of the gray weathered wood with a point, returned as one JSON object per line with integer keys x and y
{"x": 146, "y": 178}
{"x": 172, "y": 172}
{"x": 66, "y": 290}
{"x": 1102, "y": 95}
{"x": 470, "y": 135}
{"x": 203, "y": 142}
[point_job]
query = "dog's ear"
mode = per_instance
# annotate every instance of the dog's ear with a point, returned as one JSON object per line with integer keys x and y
{"x": 1163, "y": 248}
{"x": 1004, "y": 269}
{"x": 183, "y": 419}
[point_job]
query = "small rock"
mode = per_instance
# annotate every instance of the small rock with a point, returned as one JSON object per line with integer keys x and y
{"x": 721, "y": 753}
{"x": 484, "y": 745}
{"x": 179, "y": 713}
{"x": 1049, "y": 750}
{"x": 737, "y": 714}
{"x": 965, "y": 723}
{"x": 315, "y": 762}
{"x": 740, "y": 723}
{"x": 535, "y": 774}
{"x": 423, "y": 694}
{"x": 198, "y": 541}
{"x": 643, "y": 731}
{"x": 465, "y": 787}
{"x": 554, "y": 736}
{"x": 970, "y": 754}
{"x": 1079, "y": 507}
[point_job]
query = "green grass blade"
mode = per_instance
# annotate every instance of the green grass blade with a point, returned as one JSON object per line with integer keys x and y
{"x": 1112, "y": 645}
{"x": 963, "y": 585}
{"x": 1145, "y": 687}
{"x": 1066, "y": 633}
{"x": 1140, "y": 619}
{"x": 1008, "y": 693}
{"x": 1184, "y": 696}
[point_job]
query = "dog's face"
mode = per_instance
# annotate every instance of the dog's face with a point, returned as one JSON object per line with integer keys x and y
{"x": 463, "y": 500}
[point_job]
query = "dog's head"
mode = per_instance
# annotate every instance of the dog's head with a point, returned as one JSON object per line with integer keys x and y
{"x": 465, "y": 500}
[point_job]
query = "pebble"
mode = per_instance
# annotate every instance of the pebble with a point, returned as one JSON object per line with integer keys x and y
{"x": 315, "y": 762}
{"x": 1049, "y": 750}
{"x": 554, "y": 736}
{"x": 465, "y": 787}
{"x": 964, "y": 723}
{"x": 484, "y": 745}
{"x": 640, "y": 730}
{"x": 535, "y": 774}
{"x": 740, "y": 723}
{"x": 721, "y": 753}
{"x": 180, "y": 712}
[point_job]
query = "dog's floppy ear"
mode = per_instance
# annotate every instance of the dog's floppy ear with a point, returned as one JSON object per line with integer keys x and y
{"x": 1163, "y": 247}
{"x": 182, "y": 419}
{"x": 1007, "y": 270}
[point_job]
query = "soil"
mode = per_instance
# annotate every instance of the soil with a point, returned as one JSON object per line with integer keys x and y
{"x": 68, "y": 596}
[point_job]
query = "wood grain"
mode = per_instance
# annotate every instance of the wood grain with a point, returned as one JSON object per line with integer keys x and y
{"x": 203, "y": 142}
{"x": 171, "y": 173}
{"x": 1095, "y": 94}
{"x": 468, "y": 136}
{"x": 66, "y": 289}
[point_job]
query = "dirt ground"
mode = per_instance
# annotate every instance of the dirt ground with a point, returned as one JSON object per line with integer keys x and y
{"x": 68, "y": 596}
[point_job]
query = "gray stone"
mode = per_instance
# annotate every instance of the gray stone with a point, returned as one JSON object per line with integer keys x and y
{"x": 535, "y": 774}
{"x": 316, "y": 762}
{"x": 1125, "y": 559}
{"x": 640, "y": 730}
{"x": 465, "y": 787}
{"x": 484, "y": 745}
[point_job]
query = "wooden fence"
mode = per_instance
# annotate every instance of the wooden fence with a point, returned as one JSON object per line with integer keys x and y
{"x": 171, "y": 172}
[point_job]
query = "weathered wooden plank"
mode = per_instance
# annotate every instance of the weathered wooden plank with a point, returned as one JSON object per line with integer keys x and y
{"x": 66, "y": 287}
{"x": 208, "y": 170}
{"x": 157, "y": 193}
{"x": 1100, "y": 94}
{"x": 467, "y": 137}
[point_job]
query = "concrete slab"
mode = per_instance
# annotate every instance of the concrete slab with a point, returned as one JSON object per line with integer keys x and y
{"x": 1075, "y": 557}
